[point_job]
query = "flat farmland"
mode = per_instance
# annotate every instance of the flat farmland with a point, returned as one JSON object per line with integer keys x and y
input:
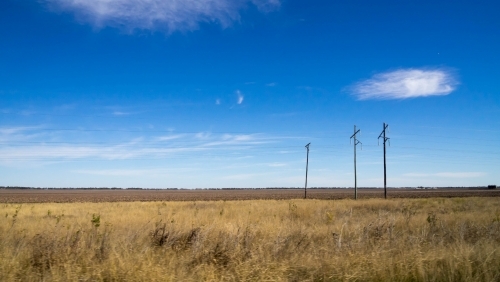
{"x": 129, "y": 195}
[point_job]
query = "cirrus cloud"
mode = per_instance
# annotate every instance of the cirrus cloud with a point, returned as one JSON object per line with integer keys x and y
{"x": 240, "y": 97}
{"x": 448, "y": 174}
{"x": 405, "y": 83}
{"x": 168, "y": 15}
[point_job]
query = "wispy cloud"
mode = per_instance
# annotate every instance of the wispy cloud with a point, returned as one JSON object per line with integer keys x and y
{"x": 277, "y": 164}
{"x": 284, "y": 115}
{"x": 168, "y": 15}
{"x": 461, "y": 174}
{"x": 22, "y": 147}
{"x": 170, "y": 137}
{"x": 119, "y": 113}
{"x": 18, "y": 129}
{"x": 202, "y": 135}
{"x": 272, "y": 84}
{"x": 20, "y": 133}
{"x": 242, "y": 176}
{"x": 240, "y": 140}
{"x": 405, "y": 83}
{"x": 238, "y": 137}
{"x": 73, "y": 152}
{"x": 473, "y": 174}
{"x": 217, "y": 101}
{"x": 66, "y": 107}
{"x": 123, "y": 172}
{"x": 240, "y": 97}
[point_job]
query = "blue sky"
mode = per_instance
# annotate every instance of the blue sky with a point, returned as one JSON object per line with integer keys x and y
{"x": 226, "y": 93}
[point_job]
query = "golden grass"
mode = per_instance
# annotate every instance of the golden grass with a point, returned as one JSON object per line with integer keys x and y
{"x": 261, "y": 240}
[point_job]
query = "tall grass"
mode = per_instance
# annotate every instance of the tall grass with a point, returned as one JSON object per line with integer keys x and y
{"x": 301, "y": 240}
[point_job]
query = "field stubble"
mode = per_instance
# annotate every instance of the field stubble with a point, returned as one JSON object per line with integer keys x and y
{"x": 434, "y": 239}
{"x": 125, "y": 195}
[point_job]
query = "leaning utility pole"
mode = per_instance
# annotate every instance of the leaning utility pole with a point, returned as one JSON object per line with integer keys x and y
{"x": 356, "y": 142}
{"x": 382, "y": 135}
{"x": 307, "y": 167}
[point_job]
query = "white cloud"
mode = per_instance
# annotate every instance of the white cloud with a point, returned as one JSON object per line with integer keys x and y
{"x": 170, "y": 137}
{"x": 123, "y": 172}
{"x": 12, "y": 134}
{"x": 217, "y": 101}
{"x": 272, "y": 84}
{"x": 202, "y": 135}
{"x": 243, "y": 176}
{"x": 405, "y": 83}
{"x": 242, "y": 137}
{"x": 69, "y": 152}
{"x": 461, "y": 174}
{"x": 66, "y": 107}
{"x": 240, "y": 141}
{"x": 447, "y": 174}
{"x": 240, "y": 97}
{"x": 118, "y": 113}
{"x": 21, "y": 148}
{"x": 168, "y": 15}
{"x": 277, "y": 164}
{"x": 14, "y": 130}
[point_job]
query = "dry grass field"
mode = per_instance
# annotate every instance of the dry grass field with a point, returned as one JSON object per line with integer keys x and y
{"x": 430, "y": 239}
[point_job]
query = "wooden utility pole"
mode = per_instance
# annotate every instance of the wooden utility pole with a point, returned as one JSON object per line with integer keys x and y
{"x": 307, "y": 167}
{"x": 356, "y": 142}
{"x": 382, "y": 135}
